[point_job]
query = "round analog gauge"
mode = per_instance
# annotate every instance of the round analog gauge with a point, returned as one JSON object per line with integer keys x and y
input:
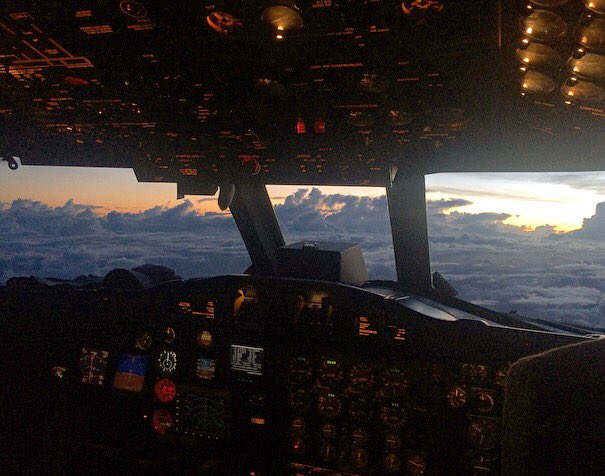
{"x": 484, "y": 401}
{"x": 361, "y": 379}
{"x": 167, "y": 361}
{"x": 165, "y": 390}
{"x": 394, "y": 383}
{"x": 393, "y": 415}
{"x": 330, "y": 373}
{"x": 415, "y": 464}
{"x": 457, "y": 397}
{"x": 399, "y": 118}
{"x": 223, "y": 22}
{"x": 204, "y": 339}
{"x": 299, "y": 400}
{"x": 327, "y": 452}
{"x": 329, "y": 405}
{"x": 298, "y": 426}
{"x": 544, "y": 25}
{"x": 298, "y": 446}
{"x": 144, "y": 341}
{"x": 360, "y": 410}
{"x": 360, "y": 118}
{"x": 359, "y": 457}
{"x": 169, "y": 335}
{"x": 133, "y": 9}
{"x": 328, "y": 431}
{"x": 163, "y": 421}
{"x": 373, "y": 83}
{"x": 392, "y": 463}
{"x": 300, "y": 370}
{"x": 359, "y": 437}
{"x": 415, "y": 7}
{"x": 392, "y": 442}
{"x": 484, "y": 433}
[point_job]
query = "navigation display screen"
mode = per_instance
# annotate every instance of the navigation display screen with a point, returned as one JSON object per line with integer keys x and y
{"x": 130, "y": 374}
{"x": 247, "y": 359}
{"x": 92, "y": 365}
{"x": 205, "y": 368}
{"x": 203, "y": 414}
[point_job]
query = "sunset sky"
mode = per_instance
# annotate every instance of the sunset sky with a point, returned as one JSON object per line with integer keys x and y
{"x": 559, "y": 200}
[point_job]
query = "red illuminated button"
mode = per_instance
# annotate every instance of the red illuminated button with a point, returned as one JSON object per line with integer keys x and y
{"x": 162, "y": 421}
{"x": 319, "y": 126}
{"x": 165, "y": 390}
{"x": 301, "y": 127}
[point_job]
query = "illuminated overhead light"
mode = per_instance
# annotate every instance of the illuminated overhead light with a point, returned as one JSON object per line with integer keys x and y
{"x": 589, "y": 66}
{"x": 539, "y": 55}
{"x": 584, "y": 91}
{"x": 283, "y": 15}
{"x": 538, "y": 83}
{"x": 279, "y": 37}
{"x": 525, "y": 40}
{"x": 544, "y": 25}
{"x": 523, "y": 68}
{"x": 592, "y": 34}
{"x": 568, "y": 102}
{"x": 223, "y": 22}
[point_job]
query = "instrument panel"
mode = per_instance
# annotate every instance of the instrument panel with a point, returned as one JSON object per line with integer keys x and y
{"x": 242, "y": 375}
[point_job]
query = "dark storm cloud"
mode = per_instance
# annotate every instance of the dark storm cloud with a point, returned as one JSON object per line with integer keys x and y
{"x": 537, "y": 273}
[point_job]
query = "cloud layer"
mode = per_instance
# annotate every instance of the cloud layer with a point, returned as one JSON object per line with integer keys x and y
{"x": 538, "y": 272}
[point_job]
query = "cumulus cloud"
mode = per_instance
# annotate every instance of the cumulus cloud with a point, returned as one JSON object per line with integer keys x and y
{"x": 541, "y": 273}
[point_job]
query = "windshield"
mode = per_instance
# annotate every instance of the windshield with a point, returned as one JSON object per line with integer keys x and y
{"x": 532, "y": 244}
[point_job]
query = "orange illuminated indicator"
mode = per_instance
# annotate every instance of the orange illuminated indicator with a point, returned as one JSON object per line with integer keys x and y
{"x": 163, "y": 421}
{"x": 257, "y": 421}
{"x": 165, "y": 390}
{"x": 365, "y": 327}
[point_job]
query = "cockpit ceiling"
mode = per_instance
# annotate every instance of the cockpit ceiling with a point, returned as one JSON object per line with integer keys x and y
{"x": 313, "y": 91}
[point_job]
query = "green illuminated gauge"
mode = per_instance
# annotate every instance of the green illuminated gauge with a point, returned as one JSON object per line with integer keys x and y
{"x": 167, "y": 361}
{"x": 143, "y": 341}
{"x": 457, "y": 397}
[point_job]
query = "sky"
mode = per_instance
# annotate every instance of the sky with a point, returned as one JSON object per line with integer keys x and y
{"x": 527, "y": 243}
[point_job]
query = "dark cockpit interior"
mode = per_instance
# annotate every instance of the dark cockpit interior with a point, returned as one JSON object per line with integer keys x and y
{"x": 300, "y": 365}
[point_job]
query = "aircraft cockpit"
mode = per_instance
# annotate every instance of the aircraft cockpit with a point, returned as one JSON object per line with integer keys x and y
{"x": 299, "y": 365}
